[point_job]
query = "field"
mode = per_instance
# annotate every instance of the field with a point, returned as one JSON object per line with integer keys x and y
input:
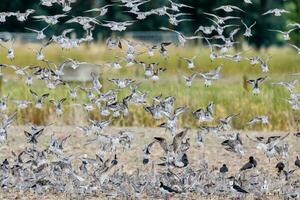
{"x": 230, "y": 94}
{"x": 211, "y": 151}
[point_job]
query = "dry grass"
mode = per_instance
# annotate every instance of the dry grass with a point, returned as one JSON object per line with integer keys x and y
{"x": 228, "y": 94}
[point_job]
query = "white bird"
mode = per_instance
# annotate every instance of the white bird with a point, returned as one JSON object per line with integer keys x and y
{"x": 285, "y": 34}
{"x": 263, "y": 119}
{"x": 248, "y": 32}
{"x": 277, "y": 12}
{"x": 40, "y": 34}
{"x": 248, "y": 1}
{"x": 264, "y": 64}
{"x": 181, "y": 38}
{"x": 190, "y": 61}
{"x": 102, "y": 10}
{"x": 189, "y": 79}
{"x": 255, "y": 84}
{"x": 51, "y": 20}
{"x": 295, "y": 47}
{"x": 228, "y": 8}
{"x": 221, "y": 20}
{"x": 58, "y": 105}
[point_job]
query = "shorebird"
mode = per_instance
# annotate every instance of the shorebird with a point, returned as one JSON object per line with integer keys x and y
{"x": 228, "y": 8}
{"x": 5, "y": 124}
{"x": 290, "y": 85}
{"x": 253, "y": 60}
{"x": 285, "y": 34}
{"x": 236, "y": 190}
{"x": 147, "y": 153}
{"x": 176, "y": 6}
{"x": 255, "y": 84}
{"x": 22, "y": 104}
{"x": 173, "y": 18}
{"x": 263, "y": 119}
{"x": 102, "y": 10}
{"x": 117, "y": 26}
{"x": 51, "y": 20}
{"x": 39, "y": 99}
{"x": 189, "y": 79}
{"x": 23, "y": 16}
{"x": 190, "y": 61}
{"x": 224, "y": 169}
{"x": 181, "y": 38}
{"x": 33, "y": 135}
{"x": 4, "y": 15}
{"x": 234, "y": 144}
{"x": 163, "y": 51}
{"x": 248, "y": 31}
{"x": 204, "y": 115}
{"x": 10, "y": 51}
{"x": 295, "y": 47}
{"x": 225, "y": 122}
{"x": 58, "y": 105}
{"x": 207, "y": 30}
{"x": 166, "y": 190}
{"x": 221, "y": 20}
{"x": 249, "y": 165}
{"x": 121, "y": 83}
{"x": 297, "y": 162}
{"x": 277, "y": 12}
{"x": 40, "y": 34}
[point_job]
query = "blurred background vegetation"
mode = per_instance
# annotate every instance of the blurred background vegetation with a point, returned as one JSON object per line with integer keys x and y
{"x": 261, "y": 38}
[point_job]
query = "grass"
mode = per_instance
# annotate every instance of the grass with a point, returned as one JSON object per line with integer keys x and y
{"x": 228, "y": 93}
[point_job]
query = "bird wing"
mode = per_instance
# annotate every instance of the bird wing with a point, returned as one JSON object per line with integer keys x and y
{"x": 163, "y": 143}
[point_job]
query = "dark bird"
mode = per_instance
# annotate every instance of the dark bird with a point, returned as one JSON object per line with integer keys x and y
{"x": 280, "y": 167}
{"x": 224, "y": 169}
{"x": 249, "y": 165}
{"x": 236, "y": 188}
{"x": 32, "y": 137}
{"x": 297, "y": 161}
{"x": 147, "y": 153}
{"x": 114, "y": 161}
{"x": 166, "y": 189}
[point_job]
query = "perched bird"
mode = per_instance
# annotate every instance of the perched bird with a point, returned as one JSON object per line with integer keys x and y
{"x": 166, "y": 190}
{"x": 147, "y": 153}
{"x": 223, "y": 169}
{"x": 236, "y": 189}
{"x": 249, "y": 165}
{"x": 297, "y": 161}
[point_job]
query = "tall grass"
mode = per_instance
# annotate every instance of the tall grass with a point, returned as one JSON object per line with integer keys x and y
{"x": 228, "y": 93}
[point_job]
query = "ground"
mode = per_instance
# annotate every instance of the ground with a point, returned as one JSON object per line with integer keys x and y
{"x": 212, "y": 151}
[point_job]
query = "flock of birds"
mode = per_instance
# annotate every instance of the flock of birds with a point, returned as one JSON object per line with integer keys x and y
{"x": 49, "y": 169}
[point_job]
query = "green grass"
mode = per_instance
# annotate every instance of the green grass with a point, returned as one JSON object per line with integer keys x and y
{"x": 228, "y": 94}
